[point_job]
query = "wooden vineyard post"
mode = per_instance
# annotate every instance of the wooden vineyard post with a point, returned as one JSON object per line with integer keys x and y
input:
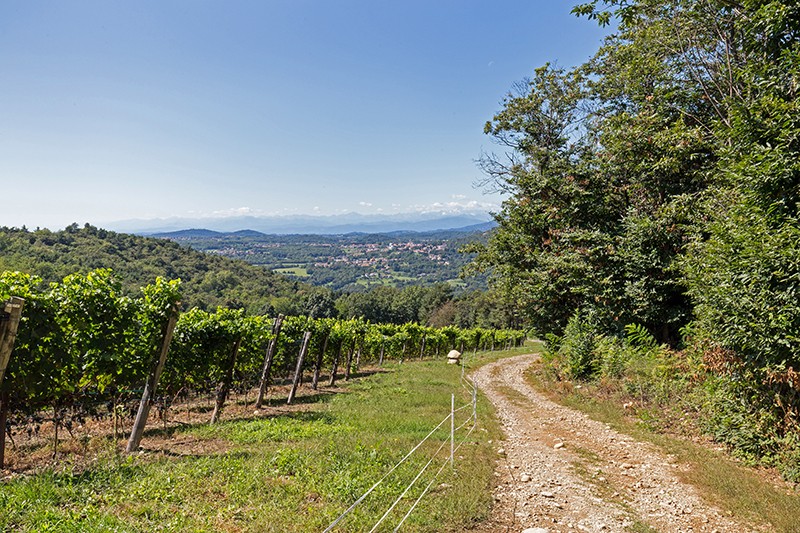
{"x": 349, "y": 361}
{"x": 9, "y": 322}
{"x": 318, "y": 365}
{"x": 383, "y": 351}
{"x": 3, "y": 418}
{"x": 271, "y": 348}
{"x": 298, "y": 373}
{"x": 225, "y": 385}
{"x": 152, "y": 382}
{"x": 336, "y": 364}
{"x": 422, "y": 347}
{"x": 452, "y": 427}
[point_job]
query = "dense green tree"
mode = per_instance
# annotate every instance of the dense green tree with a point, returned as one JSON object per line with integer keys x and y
{"x": 605, "y": 166}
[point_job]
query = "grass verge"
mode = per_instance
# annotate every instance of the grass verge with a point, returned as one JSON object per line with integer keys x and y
{"x": 293, "y": 472}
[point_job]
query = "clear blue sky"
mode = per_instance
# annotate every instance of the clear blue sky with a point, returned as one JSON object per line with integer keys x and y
{"x": 113, "y": 110}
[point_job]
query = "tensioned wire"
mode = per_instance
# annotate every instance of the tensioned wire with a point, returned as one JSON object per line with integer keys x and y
{"x": 428, "y": 487}
{"x": 377, "y": 483}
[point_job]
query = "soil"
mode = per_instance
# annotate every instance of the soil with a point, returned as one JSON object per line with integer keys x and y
{"x": 558, "y": 470}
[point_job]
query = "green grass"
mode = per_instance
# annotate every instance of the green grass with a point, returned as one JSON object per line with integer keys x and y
{"x": 743, "y": 492}
{"x": 295, "y": 472}
{"x": 297, "y": 271}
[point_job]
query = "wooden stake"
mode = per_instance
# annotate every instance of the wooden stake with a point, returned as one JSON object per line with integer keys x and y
{"x": 298, "y": 373}
{"x": 9, "y": 322}
{"x": 225, "y": 385}
{"x": 12, "y": 313}
{"x": 349, "y": 361}
{"x": 335, "y": 365}
{"x": 273, "y": 345}
{"x": 318, "y": 365}
{"x": 150, "y": 386}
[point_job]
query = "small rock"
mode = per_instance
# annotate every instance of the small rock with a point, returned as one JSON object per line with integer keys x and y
{"x": 558, "y": 445}
{"x": 536, "y": 530}
{"x": 524, "y": 478}
{"x": 501, "y": 451}
{"x": 444, "y": 486}
{"x": 548, "y": 495}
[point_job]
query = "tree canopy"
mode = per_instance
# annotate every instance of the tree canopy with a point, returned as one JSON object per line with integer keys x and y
{"x": 658, "y": 182}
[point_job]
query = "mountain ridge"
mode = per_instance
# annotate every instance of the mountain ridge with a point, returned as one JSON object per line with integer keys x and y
{"x": 308, "y": 224}
{"x": 193, "y": 233}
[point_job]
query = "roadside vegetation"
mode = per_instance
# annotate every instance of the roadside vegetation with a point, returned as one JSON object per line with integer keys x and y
{"x": 651, "y": 227}
{"x": 293, "y": 471}
{"x": 679, "y": 403}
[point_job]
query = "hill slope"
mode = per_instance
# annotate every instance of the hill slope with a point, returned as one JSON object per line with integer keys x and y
{"x": 208, "y": 280}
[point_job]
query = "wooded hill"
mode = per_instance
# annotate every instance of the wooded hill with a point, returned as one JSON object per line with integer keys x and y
{"x": 208, "y": 281}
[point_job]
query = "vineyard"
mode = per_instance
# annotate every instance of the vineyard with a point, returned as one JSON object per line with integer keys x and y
{"x": 85, "y": 351}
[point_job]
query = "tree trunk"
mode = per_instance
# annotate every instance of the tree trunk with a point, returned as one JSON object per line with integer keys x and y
{"x": 271, "y": 348}
{"x": 225, "y": 384}
{"x": 298, "y": 373}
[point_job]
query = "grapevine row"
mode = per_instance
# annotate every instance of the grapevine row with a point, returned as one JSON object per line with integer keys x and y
{"x": 82, "y": 347}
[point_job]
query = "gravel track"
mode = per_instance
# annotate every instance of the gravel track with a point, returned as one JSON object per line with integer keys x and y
{"x": 558, "y": 470}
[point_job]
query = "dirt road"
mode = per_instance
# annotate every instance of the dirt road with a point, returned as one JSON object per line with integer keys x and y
{"x": 559, "y": 470}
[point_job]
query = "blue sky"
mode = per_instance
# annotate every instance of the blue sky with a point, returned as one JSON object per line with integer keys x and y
{"x": 114, "y": 110}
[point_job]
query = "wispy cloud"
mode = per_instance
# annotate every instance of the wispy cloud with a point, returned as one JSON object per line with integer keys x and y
{"x": 234, "y": 212}
{"x": 455, "y": 206}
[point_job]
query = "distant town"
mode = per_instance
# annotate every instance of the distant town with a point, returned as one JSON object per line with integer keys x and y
{"x": 349, "y": 262}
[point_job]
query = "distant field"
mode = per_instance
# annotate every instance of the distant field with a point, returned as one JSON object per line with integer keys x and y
{"x": 350, "y": 262}
{"x": 297, "y": 271}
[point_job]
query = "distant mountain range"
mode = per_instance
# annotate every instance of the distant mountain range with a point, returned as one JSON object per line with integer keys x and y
{"x": 198, "y": 233}
{"x": 314, "y": 225}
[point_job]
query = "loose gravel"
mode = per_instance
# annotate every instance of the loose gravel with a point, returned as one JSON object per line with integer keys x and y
{"x": 558, "y": 470}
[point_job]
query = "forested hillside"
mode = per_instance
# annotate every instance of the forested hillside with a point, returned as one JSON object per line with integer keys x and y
{"x": 208, "y": 281}
{"x": 211, "y": 280}
{"x": 654, "y": 195}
